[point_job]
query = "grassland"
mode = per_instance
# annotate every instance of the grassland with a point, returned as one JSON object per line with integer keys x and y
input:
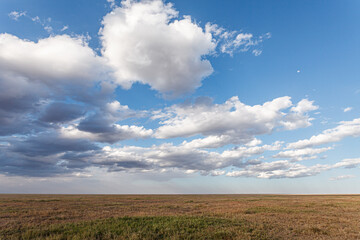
{"x": 179, "y": 217}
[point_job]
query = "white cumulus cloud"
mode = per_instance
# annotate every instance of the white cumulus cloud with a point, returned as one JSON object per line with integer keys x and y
{"x": 52, "y": 60}
{"x": 144, "y": 42}
{"x": 230, "y": 122}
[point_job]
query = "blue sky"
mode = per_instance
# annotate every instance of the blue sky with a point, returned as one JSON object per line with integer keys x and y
{"x": 179, "y": 96}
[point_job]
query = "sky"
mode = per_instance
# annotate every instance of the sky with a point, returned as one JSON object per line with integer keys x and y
{"x": 169, "y": 97}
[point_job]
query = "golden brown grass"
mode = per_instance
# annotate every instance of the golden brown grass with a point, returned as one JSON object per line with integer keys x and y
{"x": 180, "y": 216}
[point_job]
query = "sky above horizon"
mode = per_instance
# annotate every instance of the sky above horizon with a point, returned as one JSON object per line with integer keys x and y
{"x": 179, "y": 96}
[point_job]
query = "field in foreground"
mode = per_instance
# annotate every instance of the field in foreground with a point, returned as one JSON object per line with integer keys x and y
{"x": 179, "y": 217}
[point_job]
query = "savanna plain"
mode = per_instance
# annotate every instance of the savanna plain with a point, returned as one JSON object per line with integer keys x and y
{"x": 179, "y": 216}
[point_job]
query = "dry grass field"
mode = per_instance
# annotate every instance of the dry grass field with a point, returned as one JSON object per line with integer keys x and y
{"x": 179, "y": 217}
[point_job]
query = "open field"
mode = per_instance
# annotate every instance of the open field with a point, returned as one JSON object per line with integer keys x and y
{"x": 179, "y": 217}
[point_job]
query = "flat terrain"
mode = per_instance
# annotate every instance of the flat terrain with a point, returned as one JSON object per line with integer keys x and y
{"x": 179, "y": 217}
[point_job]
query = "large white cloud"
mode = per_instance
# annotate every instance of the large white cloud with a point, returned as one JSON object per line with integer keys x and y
{"x": 53, "y": 60}
{"x": 230, "y": 122}
{"x": 143, "y": 43}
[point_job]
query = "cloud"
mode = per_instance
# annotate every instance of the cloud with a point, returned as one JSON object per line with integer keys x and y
{"x": 102, "y": 125}
{"x": 161, "y": 157}
{"x": 33, "y": 74}
{"x": 348, "y": 163}
{"x": 286, "y": 169}
{"x": 241, "y": 40}
{"x": 143, "y": 42}
{"x": 257, "y": 52}
{"x": 45, "y": 23}
{"x": 108, "y": 133}
{"x": 343, "y": 130}
{"x": 63, "y": 154}
{"x": 64, "y": 28}
{"x": 348, "y": 109}
{"x": 230, "y": 42}
{"x": 42, "y": 155}
{"x": 279, "y": 169}
{"x": 299, "y": 117}
{"x": 230, "y": 122}
{"x": 62, "y": 112}
{"x": 304, "y": 106}
{"x": 210, "y": 141}
{"x": 17, "y": 100}
{"x": 15, "y": 15}
{"x": 49, "y": 144}
{"x": 247, "y": 152}
{"x": 53, "y": 60}
{"x": 112, "y": 3}
{"x": 301, "y": 154}
{"x": 183, "y": 157}
{"x": 342, "y": 177}
{"x": 189, "y": 159}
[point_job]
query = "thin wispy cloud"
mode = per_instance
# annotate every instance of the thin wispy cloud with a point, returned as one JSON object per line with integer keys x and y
{"x": 64, "y": 28}
{"x": 45, "y": 23}
{"x": 16, "y": 15}
{"x": 348, "y": 109}
{"x": 342, "y": 177}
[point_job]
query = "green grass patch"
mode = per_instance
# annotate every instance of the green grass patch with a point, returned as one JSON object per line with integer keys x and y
{"x": 175, "y": 227}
